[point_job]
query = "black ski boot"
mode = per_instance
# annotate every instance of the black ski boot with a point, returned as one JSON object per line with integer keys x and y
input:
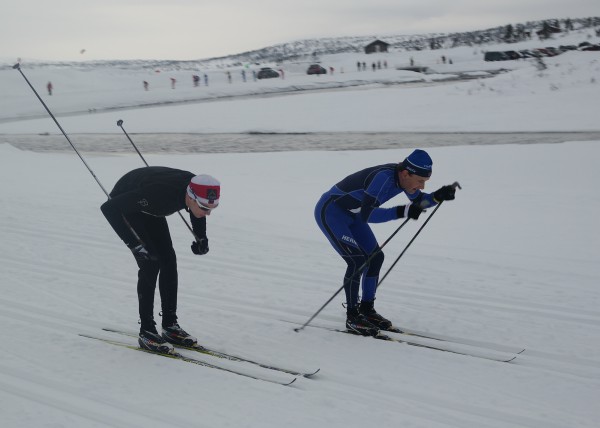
{"x": 150, "y": 340}
{"x": 367, "y": 309}
{"x": 357, "y": 323}
{"x": 178, "y": 336}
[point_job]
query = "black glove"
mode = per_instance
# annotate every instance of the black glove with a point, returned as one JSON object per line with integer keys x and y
{"x": 200, "y": 247}
{"x": 444, "y": 193}
{"x": 411, "y": 211}
{"x": 140, "y": 253}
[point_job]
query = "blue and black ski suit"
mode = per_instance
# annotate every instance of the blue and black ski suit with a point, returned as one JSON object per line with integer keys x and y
{"x": 343, "y": 214}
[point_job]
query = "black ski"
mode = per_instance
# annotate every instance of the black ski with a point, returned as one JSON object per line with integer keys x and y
{"x": 470, "y": 342}
{"x": 381, "y": 336}
{"x": 207, "y": 351}
{"x": 178, "y": 356}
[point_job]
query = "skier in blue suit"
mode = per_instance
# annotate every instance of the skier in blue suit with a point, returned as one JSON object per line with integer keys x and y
{"x": 344, "y": 212}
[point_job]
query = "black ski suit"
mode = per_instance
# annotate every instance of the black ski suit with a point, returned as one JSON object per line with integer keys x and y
{"x": 142, "y": 199}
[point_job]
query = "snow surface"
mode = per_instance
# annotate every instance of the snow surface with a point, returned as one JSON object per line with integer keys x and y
{"x": 513, "y": 261}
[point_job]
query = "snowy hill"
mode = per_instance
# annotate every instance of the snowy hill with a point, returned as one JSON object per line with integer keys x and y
{"x": 312, "y": 49}
{"x": 90, "y": 101}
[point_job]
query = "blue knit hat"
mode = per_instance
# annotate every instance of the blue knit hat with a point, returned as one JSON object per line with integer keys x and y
{"x": 418, "y": 162}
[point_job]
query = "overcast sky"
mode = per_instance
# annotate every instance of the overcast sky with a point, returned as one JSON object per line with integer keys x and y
{"x": 198, "y": 29}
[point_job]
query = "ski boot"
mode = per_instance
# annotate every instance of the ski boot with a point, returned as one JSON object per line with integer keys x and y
{"x": 357, "y": 323}
{"x": 150, "y": 340}
{"x": 367, "y": 309}
{"x": 178, "y": 336}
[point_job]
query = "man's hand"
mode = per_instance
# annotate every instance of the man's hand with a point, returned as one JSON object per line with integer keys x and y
{"x": 140, "y": 253}
{"x": 444, "y": 193}
{"x": 412, "y": 211}
{"x": 200, "y": 247}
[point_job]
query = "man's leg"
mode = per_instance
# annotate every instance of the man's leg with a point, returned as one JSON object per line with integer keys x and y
{"x": 168, "y": 277}
{"x": 367, "y": 242}
{"x": 162, "y": 248}
{"x": 335, "y": 224}
{"x": 147, "y": 273}
{"x": 157, "y": 238}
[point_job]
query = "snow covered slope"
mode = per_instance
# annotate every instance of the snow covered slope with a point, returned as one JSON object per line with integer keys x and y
{"x": 512, "y": 261}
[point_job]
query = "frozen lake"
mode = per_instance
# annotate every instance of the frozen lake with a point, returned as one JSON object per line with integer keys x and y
{"x": 244, "y": 143}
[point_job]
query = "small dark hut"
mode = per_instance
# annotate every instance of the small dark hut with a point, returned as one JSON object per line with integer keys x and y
{"x": 376, "y": 46}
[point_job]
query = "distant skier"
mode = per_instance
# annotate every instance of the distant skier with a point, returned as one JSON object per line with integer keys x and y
{"x": 138, "y": 205}
{"x": 49, "y": 87}
{"x": 344, "y": 212}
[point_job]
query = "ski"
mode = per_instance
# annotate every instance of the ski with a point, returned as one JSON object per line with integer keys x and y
{"x": 469, "y": 342}
{"x": 450, "y": 339}
{"x": 207, "y": 351}
{"x": 471, "y": 353}
{"x": 501, "y": 359}
{"x": 180, "y": 357}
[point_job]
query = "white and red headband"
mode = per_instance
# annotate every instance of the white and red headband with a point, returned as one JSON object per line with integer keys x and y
{"x": 204, "y": 189}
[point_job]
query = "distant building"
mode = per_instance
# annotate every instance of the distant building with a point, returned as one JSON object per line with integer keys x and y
{"x": 376, "y": 46}
{"x": 547, "y": 30}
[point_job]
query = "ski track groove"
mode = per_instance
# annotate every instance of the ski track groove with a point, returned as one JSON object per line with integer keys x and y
{"x": 483, "y": 415}
{"x": 499, "y": 269}
{"x": 60, "y": 322}
{"x": 231, "y": 264}
{"x": 431, "y": 293}
{"x": 55, "y": 322}
{"x": 74, "y": 276}
{"x": 488, "y": 416}
{"x": 36, "y": 390}
{"x": 241, "y": 305}
{"x": 71, "y": 401}
{"x": 529, "y": 358}
{"x": 542, "y": 311}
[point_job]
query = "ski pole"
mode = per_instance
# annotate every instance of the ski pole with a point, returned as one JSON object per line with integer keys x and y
{"x": 455, "y": 185}
{"x": 17, "y": 66}
{"x": 365, "y": 264}
{"x": 120, "y": 125}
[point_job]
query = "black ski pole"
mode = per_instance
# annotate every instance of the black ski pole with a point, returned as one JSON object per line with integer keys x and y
{"x": 120, "y": 125}
{"x": 455, "y": 185}
{"x": 365, "y": 264}
{"x": 17, "y": 66}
